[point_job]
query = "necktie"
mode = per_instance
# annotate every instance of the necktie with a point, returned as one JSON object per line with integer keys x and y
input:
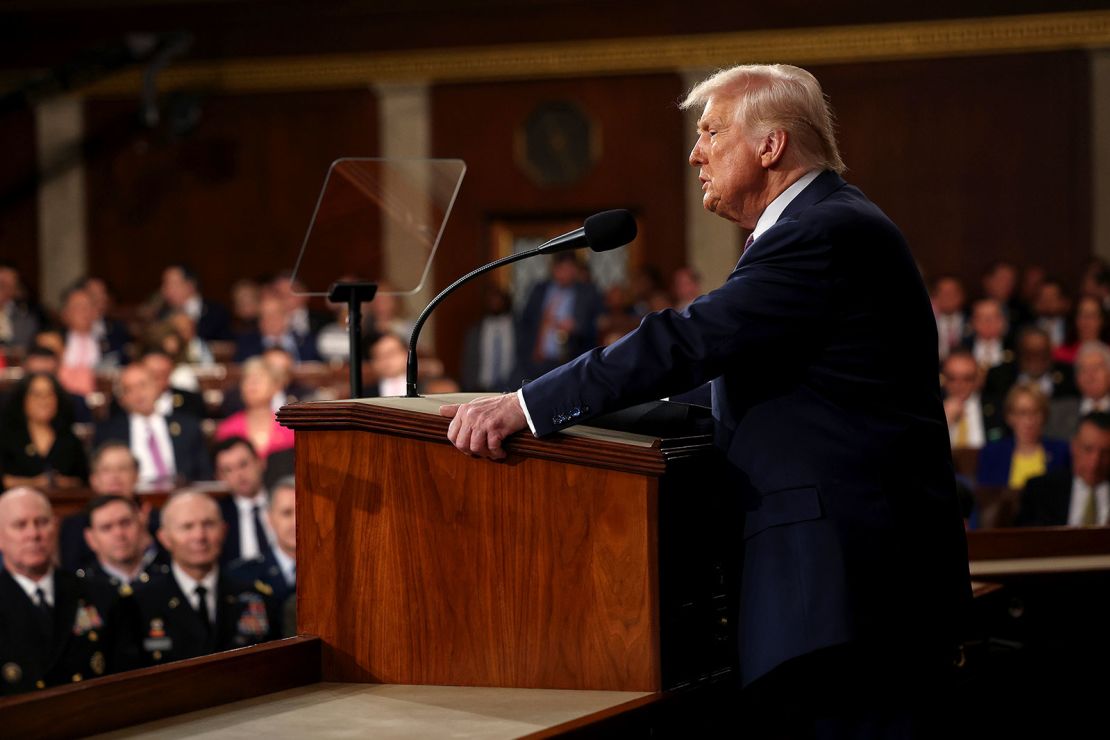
{"x": 1090, "y": 511}
{"x": 962, "y": 431}
{"x": 45, "y": 610}
{"x": 160, "y": 469}
{"x": 259, "y": 532}
{"x": 202, "y": 608}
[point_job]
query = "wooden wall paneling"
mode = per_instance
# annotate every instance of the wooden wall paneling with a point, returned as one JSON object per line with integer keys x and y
{"x": 976, "y": 159}
{"x": 233, "y": 198}
{"x": 431, "y": 567}
{"x": 643, "y": 153}
{"x": 18, "y": 191}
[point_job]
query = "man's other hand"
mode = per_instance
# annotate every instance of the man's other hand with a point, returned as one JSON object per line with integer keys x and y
{"x": 479, "y": 427}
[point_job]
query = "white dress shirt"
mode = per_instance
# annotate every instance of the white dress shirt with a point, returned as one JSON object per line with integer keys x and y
{"x": 140, "y": 426}
{"x": 1090, "y": 405}
{"x": 249, "y": 547}
{"x": 396, "y": 386}
{"x": 193, "y": 307}
{"x": 973, "y": 412}
{"x": 46, "y": 583}
{"x": 288, "y": 566}
{"x": 498, "y": 349}
{"x": 1080, "y": 495}
{"x": 82, "y": 350}
{"x": 188, "y": 587}
{"x": 767, "y": 219}
{"x": 988, "y": 352}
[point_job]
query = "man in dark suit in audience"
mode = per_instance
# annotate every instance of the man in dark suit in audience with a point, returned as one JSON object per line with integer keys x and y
{"x": 165, "y": 446}
{"x": 239, "y": 467}
{"x": 274, "y": 331}
{"x": 989, "y": 340}
{"x": 54, "y": 627}
{"x": 1092, "y": 379}
{"x": 1079, "y": 497}
{"x": 181, "y": 292}
{"x": 822, "y": 352}
{"x": 969, "y": 424}
{"x": 171, "y": 400}
{"x": 277, "y": 568}
{"x": 193, "y": 608}
{"x": 559, "y": 320}
{"x": 1033, "y": 364}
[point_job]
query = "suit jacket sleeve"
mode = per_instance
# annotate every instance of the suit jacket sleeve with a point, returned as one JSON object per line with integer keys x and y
{"x": 776, "y": 300}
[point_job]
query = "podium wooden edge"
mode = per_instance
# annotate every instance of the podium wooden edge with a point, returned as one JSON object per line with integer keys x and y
{"x": 563, "y": 448}
{"x": 1043, "y": 542}
{"x": 147, "y": 694}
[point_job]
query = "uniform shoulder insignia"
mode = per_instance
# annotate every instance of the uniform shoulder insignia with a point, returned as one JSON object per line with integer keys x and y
{"x": 175, "y": 429}
{"x": 263, "y": 588}
{"x": 80, "y": 572}
{"x": 125, "y": 590}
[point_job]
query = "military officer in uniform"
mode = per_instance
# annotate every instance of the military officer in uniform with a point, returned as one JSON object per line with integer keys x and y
{"x": 125, "y": 553}
{"x": 54, "y": 627}
{"x": 278, "y": 567}
{"x": 193, "y": 608}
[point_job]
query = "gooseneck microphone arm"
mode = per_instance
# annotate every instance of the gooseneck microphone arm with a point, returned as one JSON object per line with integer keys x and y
{"x": 410, "y": 384}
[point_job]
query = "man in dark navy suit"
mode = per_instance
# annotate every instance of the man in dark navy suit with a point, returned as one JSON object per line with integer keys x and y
{"x": 822, "y": 352}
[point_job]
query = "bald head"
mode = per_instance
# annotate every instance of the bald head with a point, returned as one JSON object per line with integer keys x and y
{"x": 27, "y": 532}
{"x": 192, "y": 531}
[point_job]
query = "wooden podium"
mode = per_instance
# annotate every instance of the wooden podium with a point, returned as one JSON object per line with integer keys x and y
{"x": 596, "y": 559}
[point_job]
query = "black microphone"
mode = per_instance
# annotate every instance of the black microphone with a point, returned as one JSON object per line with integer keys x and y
{"x": 600, "y": 232}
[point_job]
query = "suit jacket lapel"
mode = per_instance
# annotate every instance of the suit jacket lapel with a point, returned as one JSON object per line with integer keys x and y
{"x": 65, "y": 611}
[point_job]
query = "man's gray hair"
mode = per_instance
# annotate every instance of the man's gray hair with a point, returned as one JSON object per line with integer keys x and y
{"x": 774, "y": 97}
{"x": 1094, "y": 347}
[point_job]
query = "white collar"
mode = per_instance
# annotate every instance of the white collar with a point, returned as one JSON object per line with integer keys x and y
{"x": 284, "y": 562}
{"x": 46, "y": 583}
{"x": 119, "y": 574}
{"x": 247, "y": 504}
{"x": 772, "y": 212}
{"x": 188, "y": 585}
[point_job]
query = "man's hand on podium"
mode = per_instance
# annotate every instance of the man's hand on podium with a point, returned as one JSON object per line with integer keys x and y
{"x": 479, "y": 427}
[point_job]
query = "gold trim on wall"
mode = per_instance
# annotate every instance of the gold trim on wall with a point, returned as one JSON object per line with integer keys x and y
{"x": 862, "y": 43}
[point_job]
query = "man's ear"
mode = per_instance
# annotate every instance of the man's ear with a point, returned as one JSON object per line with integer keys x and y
{"x": 772, "y": 148}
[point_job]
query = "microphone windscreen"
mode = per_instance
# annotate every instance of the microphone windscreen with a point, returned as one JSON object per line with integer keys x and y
{"x": 609, "y": 229}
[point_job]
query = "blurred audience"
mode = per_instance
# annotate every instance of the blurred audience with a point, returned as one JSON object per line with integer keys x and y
{"x": 277, "y": 567}
{"x": 963, "y": 406}
{"x": 685, "y": 287}
{"x": 1092, "y": 376}
{"x": 260, "y": 383}
{"x": 559, "y": 321}
{"x": 1079, "y": 496}
{"x": 240, "y": 468}
{"x": 1051, "y": 310}
{"x": 1011, "y": 461}
{"x": 181, "y": 292}
{"x": 274, "y": 331}
{"x": 948, "y": 308}
{"x": 1033, "y": 364}
{"x": 37, "y": 445}
{"x": 1088, "y": 324}
{"x": 18, "y": 323}
{"x": 489, "y": 349}
{"x": 389, "y": 363}
{"x": 988, "y": 341}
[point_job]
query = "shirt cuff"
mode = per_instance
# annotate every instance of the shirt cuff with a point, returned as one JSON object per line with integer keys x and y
{"x": 524, "y": 408}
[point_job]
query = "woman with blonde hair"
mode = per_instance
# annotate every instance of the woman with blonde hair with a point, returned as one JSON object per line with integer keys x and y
{"x": 1011, "y": 461}
{"x": 259, "y": 384}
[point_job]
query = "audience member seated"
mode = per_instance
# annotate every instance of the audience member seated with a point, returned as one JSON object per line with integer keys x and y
{"x": 274, "y": 331}
{"x": 489, "y": 349}
{"x": 82, "y": 355}
{"x": 1032, "y": 278}
{"x": 1092, "y": 377}
{"x": 171, "y": 399}
{"x": 43, "y": 361}
{"x": 111, "y": 333}
{"x": 1033, "y": 365}
{"x": 619, "y": 316}
{"x": 260, "y": 383}
{"x": 1000, "y": 284}
{"x": 37, "y": 444}
{"x": 389, "y": 362}
{"x": 305, "y": 323}
{"x": 193, "y": 608}
{"x": 685, "y": 287}
{"x": 948, "y": 309}
{"x": 194, "y": 350}
{"x": 1051, "y": 310}
{"x": 113, "y": 471}
{"x": 646, "y": 285}
{"x": 162, "y": 337}
{"x": 559, "y": 321}
{"x": 968, "y": 427}
{"x": 239, "y": 467}
{"x": 387, "y": 315}
{"x": 1088, "y": 324}
{"x": 55, "y": 628}
{"x": 988, "y": 341}
{"x": 181, "y": 292}
{"x": 18, "y": 323}
{"x": 245, "y": 295}
{"x": 1079, "y": 497}
{"x": 277, "y": 567}
{"x": 1011, "y": 461}
{"x": 124, "y": 552}
{"x": 291, "y": 391}
{"x": 168, "y": 448}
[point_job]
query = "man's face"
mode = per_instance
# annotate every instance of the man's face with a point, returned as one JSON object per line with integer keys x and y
{"x": 961, "y": 377}
{"x": 729, "y": 166}
{"x": 273, "y": 320}
{"x": 27, "y": 534}
{"x": 115, "y": 473}
{"x": 987, "y": 320}
{"x": 137, "y": 390}
{"x": 1090, "y": 454}
{"x": 1051, "y": 301}
{"x": 1001, "y": 283}
{"x": 1092, "y": 375}
{"x": 388, "y": 357}
{"x": 240, "y": 470}
{"x": 9, "y": 282}
{"x": 949, "y": 296}
{"x": 79, "y": 312}
{"x": 283, "y": 519}
{"x": 192, "y": 531}
{"x": 114, "y": 534}
{"x": 1035, "y": 355}
{"x": 176, "y": 289}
